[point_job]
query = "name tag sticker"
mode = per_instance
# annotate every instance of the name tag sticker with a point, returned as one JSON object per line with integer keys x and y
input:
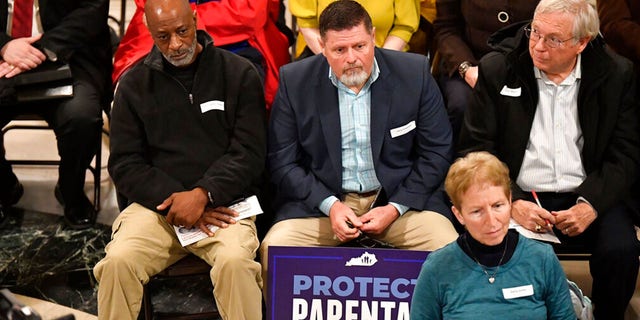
{"x": 212, "y": 105}
{"x": 396, "y": 132}
{"x": 510, "y": 92}
{"x": 517, "y": 292}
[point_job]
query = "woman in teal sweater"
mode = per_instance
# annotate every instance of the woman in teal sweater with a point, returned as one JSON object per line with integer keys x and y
{"x": 489, "y": 272}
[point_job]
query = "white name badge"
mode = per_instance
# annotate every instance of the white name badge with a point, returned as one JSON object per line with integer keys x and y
{"x": 212, "y": 105}
{"x": 510, "y": 92}
{"x": 517, "y": 292}
{"x": 396, "y": 132}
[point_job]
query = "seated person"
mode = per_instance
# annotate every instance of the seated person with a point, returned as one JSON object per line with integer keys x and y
{"x": 394, "y": 22}
{"x": 620, "y": 19}
{"x": 72, "y": 32}
{"x": 422, "y": 41}
{"x": 558, "y": 107}
{"x": 462, "y": 28}
{"x": 245, "y": 27}
{"x": 351, "y": 121}
{"x": 188, "y": 138}
{"x": 490, "y": 269}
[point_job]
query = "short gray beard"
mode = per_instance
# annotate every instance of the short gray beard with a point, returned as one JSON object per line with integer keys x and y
{"x": 191, "y": 51}
{"x": 355, "y": 79}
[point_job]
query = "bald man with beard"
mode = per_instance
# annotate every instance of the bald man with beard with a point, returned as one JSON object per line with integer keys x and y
{"x": 188, "y": 137}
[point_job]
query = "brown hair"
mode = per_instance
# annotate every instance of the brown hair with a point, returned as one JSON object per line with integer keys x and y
{"x": 343, "y": 15}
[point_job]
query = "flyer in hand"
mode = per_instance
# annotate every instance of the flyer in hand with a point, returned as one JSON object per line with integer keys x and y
{"x": 246, "y": 208}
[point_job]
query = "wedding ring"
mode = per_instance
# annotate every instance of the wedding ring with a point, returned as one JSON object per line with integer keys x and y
{"x": 538, "y": 228}
{"x": 566, "y": 230}
{"x": 12, "y": 67}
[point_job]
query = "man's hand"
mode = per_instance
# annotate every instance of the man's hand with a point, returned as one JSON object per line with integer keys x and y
{"x": 220, "y": 217}
{"x": 20, "y": 54}
{"x": 530, "y": 215}
{"x": 344, "y": 222}
{"x": 8, "y": 70}
{"x": 186, "y": 207}
{"x": 576, "y": 219}
{"x": 471, "y": 76}
{"x": 378, "y": 219}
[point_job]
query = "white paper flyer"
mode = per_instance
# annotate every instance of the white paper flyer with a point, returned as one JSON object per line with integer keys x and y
{"x": 547, "y": 236}
{"x": 246, "y": 208}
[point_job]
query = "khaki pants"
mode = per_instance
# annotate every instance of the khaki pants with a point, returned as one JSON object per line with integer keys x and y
{"x": 414, "y": 230}
{"x": 143, "y": 244}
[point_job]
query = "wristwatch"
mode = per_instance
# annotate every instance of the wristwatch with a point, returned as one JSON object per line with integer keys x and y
{"x": 52, "y": 56}
{"x": 210, "y": 197}
{"x": 463, "y": 67}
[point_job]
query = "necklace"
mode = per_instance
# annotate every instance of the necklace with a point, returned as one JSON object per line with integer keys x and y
{"x": 492, "y": 278}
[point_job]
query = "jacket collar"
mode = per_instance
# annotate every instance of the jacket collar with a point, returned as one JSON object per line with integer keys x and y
{"x": 512, "y": 41}
{"x": 381, "y": 96}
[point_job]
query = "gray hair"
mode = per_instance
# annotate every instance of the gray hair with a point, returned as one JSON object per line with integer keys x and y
{"x": 585, "y": 23}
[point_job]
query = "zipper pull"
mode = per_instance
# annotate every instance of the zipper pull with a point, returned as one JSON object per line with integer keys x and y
{"x": 191, "y": 98}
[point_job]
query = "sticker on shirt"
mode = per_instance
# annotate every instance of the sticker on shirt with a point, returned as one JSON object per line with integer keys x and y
{"x": 517, "y": 292}
{"x": 510, "y": 92}
{"x": 399, "y": 131}
{"x": 212, "y": 105}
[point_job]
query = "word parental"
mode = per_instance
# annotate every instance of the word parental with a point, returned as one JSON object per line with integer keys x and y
{"x": 332, "y": 309}
{"x": 310, "y": 300}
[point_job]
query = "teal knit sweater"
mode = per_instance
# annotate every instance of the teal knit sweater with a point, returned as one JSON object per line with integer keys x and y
{"x": 451, "y": 285}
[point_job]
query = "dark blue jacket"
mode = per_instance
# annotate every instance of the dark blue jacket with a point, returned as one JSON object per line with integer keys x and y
{"x": 304, "y": 151}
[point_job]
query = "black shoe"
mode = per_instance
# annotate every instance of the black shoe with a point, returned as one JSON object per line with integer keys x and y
{"x": 3, "y": 216}
{"x": 7, "y": 200}
{"x": 79, "y": 217}
{"x": 13, "y": 195}
{"x": 58, "y": 194}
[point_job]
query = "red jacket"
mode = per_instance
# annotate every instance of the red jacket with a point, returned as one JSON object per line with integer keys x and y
{"x": 228, "y": 21}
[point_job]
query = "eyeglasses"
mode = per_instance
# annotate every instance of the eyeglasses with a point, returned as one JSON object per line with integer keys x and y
{"x": 551, "y": 42}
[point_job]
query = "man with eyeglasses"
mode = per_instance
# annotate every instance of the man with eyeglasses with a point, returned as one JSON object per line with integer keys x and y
{"x": 558, "y": 108}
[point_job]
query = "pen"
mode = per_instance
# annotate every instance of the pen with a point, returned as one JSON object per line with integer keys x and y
{"x": 535, "y": 196}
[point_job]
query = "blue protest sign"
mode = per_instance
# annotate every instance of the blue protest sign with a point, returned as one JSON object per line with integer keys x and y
{"x": 331, "y": 283}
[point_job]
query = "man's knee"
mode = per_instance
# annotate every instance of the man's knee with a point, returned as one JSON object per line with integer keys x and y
{"x": 278, "y": 235}
{"x": 84, "y": 123}
{"x": 80, "y": 114}
{"x": 230, "y": 264}
{"x": 233, "y": 257}
{"x": 118, "y": 264}
{"x": 457, "y": 95}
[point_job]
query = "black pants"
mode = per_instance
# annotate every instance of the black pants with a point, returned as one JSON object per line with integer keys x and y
{"x": 457, "y": 95}
{"x": 611, "y": 240}
{"x": 77, "y": 123}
